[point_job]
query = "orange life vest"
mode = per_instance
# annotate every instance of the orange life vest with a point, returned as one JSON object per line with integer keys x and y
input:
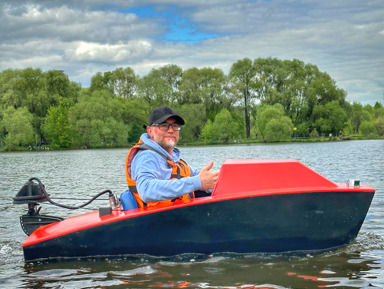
{"x": 179, "y": 171}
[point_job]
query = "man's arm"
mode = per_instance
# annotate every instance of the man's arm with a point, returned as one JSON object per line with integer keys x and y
{"x": 152, "y": 174}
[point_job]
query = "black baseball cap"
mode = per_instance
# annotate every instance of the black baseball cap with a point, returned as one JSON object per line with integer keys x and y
{"x": 162, "y": 113}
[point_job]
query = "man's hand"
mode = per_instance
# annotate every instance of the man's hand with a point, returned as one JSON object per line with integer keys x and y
{"x": 208, "y": 178}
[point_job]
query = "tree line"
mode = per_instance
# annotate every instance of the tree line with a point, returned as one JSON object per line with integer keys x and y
{"x": 265, "y": 99}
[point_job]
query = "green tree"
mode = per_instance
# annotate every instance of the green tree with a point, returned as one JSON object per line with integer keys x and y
{"x": 100, "y": 82}
{"x": 207, "y": 86}
{"x": 26, "y": 87}
{"x": 367, "y": 128}
{"x": 272, "y": 123}
{"x": 214, "y": 91}
{"x": 135, "y": 133}
{"x": 135, "y": 110}
{"x": 195, "y": 118}
{"x": 171, "y": 75}
{"x": 329, "y": 118}
{"x": 379, "y": 126}
{"x": 123, "y": 82}
{"x": 297, "y": 86}
{"x": 189, "y": 87}
{"x": 356, "y": 116}
{"x": 224, "y": 128}
{"x": 241, "y": 75}
{"x": 37, "y": 91}
{"x": 17, "y": 125}
{"x": 2, "y": 129}
{"x": 10, "y": 95}
{"x": 154, "y": 90}
{"x": 269, "y": 75}
{"x": 208, "y": 132}
{"x": 60, "y": 87}
{"x": 378, "y": 110}
{"x": 57, "y": 83}
{"x": 56, "y": 126}
{"x": 96, "y": 121}
{"x": 279, "y": 129}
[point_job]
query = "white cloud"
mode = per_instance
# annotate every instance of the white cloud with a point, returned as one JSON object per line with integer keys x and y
{"x": 86, "y": 37}
{"x": 88, "y": 51}
{"x": 73, "y": 25}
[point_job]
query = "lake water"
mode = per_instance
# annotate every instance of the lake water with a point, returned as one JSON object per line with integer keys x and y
{"x": 82, "y": 174}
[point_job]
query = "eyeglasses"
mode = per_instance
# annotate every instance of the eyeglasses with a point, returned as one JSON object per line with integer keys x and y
{"x": 165, "y": 126}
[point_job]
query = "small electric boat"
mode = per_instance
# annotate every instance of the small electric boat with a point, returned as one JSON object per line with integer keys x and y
{"x": 256, "y": 206}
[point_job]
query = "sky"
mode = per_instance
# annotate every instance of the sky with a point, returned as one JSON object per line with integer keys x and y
{"x": 344, "y": 38}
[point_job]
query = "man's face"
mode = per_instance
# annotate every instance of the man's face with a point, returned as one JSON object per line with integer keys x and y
{"x": 166, "y": 139}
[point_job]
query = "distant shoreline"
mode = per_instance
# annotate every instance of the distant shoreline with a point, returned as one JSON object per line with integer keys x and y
{"x": 181, "y": 144}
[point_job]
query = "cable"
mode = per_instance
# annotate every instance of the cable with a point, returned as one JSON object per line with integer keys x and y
{"x": 65, "y": 206}
{"x": 89, "y": 209}
{"x": 75, "y": 199}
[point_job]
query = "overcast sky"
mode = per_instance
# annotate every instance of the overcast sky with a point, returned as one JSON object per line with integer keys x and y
{"x": 344, "y": 38}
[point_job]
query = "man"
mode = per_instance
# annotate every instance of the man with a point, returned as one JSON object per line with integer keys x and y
{"x": 155, "y": 172}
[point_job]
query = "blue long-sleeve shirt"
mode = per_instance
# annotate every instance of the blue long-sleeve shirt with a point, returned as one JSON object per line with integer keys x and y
{"x": 152, "y": 174}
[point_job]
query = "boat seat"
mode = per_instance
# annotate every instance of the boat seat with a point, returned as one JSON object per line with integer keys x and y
{"x": 128, "y": 200}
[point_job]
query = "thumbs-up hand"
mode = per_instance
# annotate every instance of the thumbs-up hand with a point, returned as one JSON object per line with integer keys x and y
{"x": 208, "y": 178}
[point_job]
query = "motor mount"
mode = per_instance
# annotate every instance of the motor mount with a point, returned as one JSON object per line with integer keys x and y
{"x": 32, "y": 194}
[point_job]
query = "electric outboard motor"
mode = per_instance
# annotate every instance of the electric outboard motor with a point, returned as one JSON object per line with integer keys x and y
{"x": 32, "y": 194}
